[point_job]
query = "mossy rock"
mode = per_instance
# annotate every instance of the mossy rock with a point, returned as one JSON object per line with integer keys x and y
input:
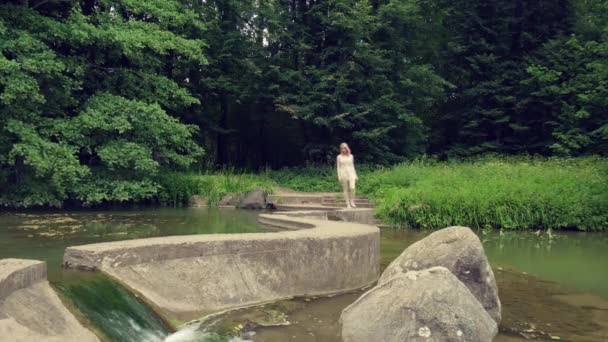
{"x": 240, "y": 321}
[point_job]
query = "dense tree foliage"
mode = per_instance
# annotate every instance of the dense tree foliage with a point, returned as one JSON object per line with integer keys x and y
{"x": 530, "y": 77}
{"x": 84, "y": 92}
{"x": 289, "y": 80}
{"x": 100, "y": 97}
{"x": 485, "y": 58}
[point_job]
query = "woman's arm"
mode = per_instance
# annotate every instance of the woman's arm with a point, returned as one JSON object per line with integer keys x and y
{"x": 338, "y": 166}
{"x": 355, "y": 170}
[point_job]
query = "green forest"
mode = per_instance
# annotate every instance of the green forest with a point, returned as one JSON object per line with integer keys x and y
{"x": 112, "y": 100}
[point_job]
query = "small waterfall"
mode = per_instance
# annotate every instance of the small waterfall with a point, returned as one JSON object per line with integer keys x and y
{"x": 197, "y": 332}
{"x": 119, "y": 315}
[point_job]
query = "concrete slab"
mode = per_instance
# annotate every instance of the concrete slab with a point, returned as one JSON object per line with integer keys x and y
{"x": 16, "y": 274}
{"x": 29, "y": 308}
{"x": 186, "y": 277}
{"x": 354, "y": 215}
{"x": 305, "y": 207}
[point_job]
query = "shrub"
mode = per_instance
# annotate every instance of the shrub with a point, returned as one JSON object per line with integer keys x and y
{"x": 177, "y": 188}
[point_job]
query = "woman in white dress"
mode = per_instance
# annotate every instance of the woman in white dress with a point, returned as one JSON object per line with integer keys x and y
{"x": 347, "y": 175}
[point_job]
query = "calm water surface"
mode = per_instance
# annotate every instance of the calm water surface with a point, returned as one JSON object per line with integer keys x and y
{"x": 552, "y": 286}
{"x": 575, "y": 259}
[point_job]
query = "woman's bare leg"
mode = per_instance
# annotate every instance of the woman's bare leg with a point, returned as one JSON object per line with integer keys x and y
{"x": 346, "y": 191}
{"x": 352, "y": 193}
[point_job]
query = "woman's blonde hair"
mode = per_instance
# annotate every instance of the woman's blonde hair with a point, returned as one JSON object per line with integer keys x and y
{"x": 344, "y": 145}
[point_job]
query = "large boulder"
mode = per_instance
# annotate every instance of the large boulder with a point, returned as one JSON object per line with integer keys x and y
{"x": 428, "y": 305}
{"x": 255, "y": 199}
{"x": 459, "y": 250}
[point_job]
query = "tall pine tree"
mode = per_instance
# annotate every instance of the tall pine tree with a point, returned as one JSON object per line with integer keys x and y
{"x": 484, "y": 55}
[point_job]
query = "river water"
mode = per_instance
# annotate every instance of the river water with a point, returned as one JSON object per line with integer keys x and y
{"x": 112, "y": 312}
{"x": 552, "y": 286}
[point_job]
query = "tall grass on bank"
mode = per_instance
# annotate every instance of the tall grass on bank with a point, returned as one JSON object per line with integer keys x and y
{"x": 308, "y": 179}
{"x": 511, "y": 193}
{"x": 177, "y": 188}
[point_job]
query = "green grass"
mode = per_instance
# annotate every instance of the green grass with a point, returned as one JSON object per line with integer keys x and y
{"x": 490, "y": 192}
{"x": 511, "y": 193}
{"x": 177, "y": 188}
{"x": 309, "y": 179}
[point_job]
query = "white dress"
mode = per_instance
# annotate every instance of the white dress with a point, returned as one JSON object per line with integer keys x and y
{"x": 346, "y": 169}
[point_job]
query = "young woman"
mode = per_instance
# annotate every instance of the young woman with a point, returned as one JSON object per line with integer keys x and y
{"x": 347, "y": 174}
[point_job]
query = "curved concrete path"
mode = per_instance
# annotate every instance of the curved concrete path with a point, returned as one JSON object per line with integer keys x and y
{"x": 29, "y": 308}
{"x": 286, "y": 200}
{"x": 186, "y": 277}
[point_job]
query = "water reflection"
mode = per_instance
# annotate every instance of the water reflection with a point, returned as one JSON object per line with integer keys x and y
{"x": 575, "y": 259}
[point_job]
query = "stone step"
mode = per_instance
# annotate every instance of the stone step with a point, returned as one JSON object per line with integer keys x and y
{"x": 343, "y": 205}
{"x": 312, "y": 201}
{"x": 292, "y": 207}
{"x": 340, "y": 196}
{"x": 342, "y": 201}
{"x": 294, "y": 199}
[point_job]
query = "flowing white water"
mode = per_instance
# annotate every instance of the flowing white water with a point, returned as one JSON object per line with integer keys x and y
{"x": 195, "y": 332}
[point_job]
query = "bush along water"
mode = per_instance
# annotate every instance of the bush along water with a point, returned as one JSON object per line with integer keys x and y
{"x": 510, "y": 193}
{"x": 177, "y": 188}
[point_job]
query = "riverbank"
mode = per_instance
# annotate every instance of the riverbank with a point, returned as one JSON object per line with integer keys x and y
{"x": 511, "y": 193}
{"x": 484, "y": 193}
{"x": 499, "y": 193}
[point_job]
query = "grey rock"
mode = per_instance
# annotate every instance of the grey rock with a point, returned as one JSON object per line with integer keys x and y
{"x": 198, "y": 202}
{"x": 230, "y": 200}
{"x": 255, "y": 199}
{"x": 459, "y": 250}
{"x": 428, "y": 305}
